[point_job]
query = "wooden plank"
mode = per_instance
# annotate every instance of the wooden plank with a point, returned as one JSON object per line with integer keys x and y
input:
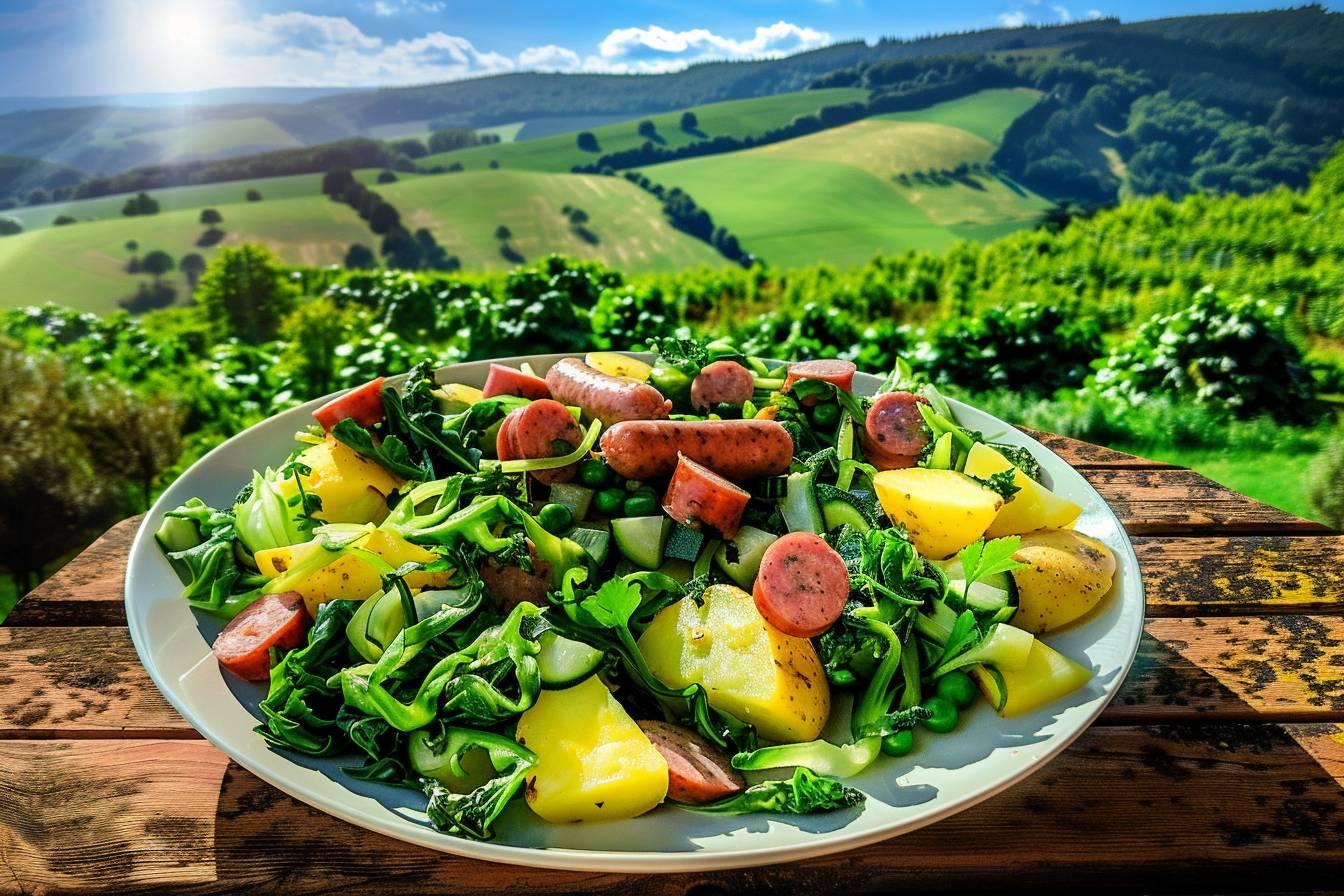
{"x": 1242, "y": 575}
{"x": 88, "y": 682}
{"x": 1182, "y": 502}
{"x": 86, "y": 591}
{"x": 1081, "y": 454}
{"x": 1219, "y": 807}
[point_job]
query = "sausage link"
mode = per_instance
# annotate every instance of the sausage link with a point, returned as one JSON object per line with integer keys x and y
{"x": 735, "y": 449}
{"x": 697, "y": 772}
{"x": 702, "y": 499}
{"x": 610, "y": 399}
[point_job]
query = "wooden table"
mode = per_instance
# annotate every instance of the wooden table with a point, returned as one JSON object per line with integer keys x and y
{"x": 1219, "y": 767}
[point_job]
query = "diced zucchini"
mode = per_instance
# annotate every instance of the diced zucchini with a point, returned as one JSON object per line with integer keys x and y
{"x": 596, "y": 540}
{"x": 642, "y": 539}
{"x": 563, "y": 662}
{"x": 684, "y": 544}
{"x": 576, "y": 497}
{"x": 741, "y": 557}
{"x": 800, "y": 510}
{"x": 843, "y": 508}
{"x": 471, "y": 771}
{"x": 177, "y": 534}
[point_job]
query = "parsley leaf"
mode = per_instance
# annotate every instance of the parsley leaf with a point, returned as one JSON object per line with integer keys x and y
{"x": 982, "y": 559}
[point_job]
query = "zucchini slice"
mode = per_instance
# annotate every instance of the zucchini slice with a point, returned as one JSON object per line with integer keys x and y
{"x": 563, "y": 662}
{"x": 642, "y": 539}
{"x": 741, "y": 557}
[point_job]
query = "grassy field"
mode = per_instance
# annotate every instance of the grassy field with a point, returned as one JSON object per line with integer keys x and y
{"x": 217, "y": 136}
{"x": 833, "y": 195}
{"x": 737, "y": 118}
{"x": 986, "y": 114}
{"x": 83, "y": 265}
{"x": 178, "y": 198}
{"x": 464, "y": 209}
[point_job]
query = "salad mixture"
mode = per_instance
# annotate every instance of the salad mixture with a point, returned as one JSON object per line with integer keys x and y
{"x": 620, "y": 585}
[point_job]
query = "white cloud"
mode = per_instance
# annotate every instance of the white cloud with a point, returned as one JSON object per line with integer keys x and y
{"x": 654, "y": 47}
{"x": 549, "y": 58}
{"x": 1094, "y": 13}
{"x": 1015, "y": 19}
{"x": 1063, "y": 13}
{"x": 383, "y": 9}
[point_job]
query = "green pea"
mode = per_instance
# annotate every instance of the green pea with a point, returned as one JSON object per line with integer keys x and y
{"x": 944, "y": 715}
{"x": 640, "y": 504}
{"x": 826, "y": 415}
{"x": 594, "y": 473}
{"x": 957, "y": 688}
{"x": 556, "y": 518}
{"x": 841, "y": 677}
{"x": 899, "y": 743}
{"x": 609, "y": 501}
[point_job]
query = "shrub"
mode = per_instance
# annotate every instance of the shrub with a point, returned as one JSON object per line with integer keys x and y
{"x": 1234, "y": 353}
{"x": 244, "y": 292}
{"x": 1029, "y": 347}
{"x": 1326, "y": 487}
{"x": 9, "y": 226}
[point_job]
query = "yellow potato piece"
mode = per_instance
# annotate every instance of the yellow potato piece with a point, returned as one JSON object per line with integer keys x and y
{"x": 617, "y": 364}
{"x": 749, "y": 669}
{"x": 942, "y": 510}
{"x": 353, "y": 488}
{"x": 593, "y": 761}
{"x": 1047, "y": 676}
{"x": 1067, "y": 574}
{"x": 349, "y": 576}
{"x": 1033, "y": 507}
{"x": 455, "y": 397}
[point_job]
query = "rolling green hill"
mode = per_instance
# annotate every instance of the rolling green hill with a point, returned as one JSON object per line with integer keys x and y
{"x": 83, "y": 265}
{"x": 838, "y": 195}
{"x": 738, "y": 118}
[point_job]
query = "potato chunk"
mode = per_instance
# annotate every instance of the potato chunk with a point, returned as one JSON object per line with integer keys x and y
{"x": 749, "y": 669}
{"x": 349, "y": 576}
{"x": 942, "y": 510}
{"x": 1033, "y": 507}
{"x": 353, "y": 488}
{"x": 1047, "y": 676}
{"x": 593, "y": 762}
{"x": 1066, "y": 575}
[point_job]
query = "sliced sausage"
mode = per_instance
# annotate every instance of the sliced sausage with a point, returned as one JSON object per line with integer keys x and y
{"x": 881, "y": 458}
{"x": 697, "y": 773}
{"x": 723, "y": 382}
{"x": 504, "y": 447}
{"x": 363, "y": 405}
{"x": 610, "y": 399}
{"x": 276, "y": 620}
{"x": 510, "y": 585}
{"x": 802, "y": 586}
{"x": 506, "y": 381}
{"x": 834, "y": 371}
{"x": 700, "y": 498}
{"x": 894, "y": 423}
{"x": 546, "y": 428}
{"x": 737, "y": 449}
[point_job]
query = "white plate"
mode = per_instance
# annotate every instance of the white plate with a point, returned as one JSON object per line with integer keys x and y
{"x": 944, "y": 775}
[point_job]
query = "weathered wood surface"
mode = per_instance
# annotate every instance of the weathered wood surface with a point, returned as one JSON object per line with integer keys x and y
{"x": 1220, "y": 765}
{"x": 87, "y": 682}
{"x": 1211, "y": 808}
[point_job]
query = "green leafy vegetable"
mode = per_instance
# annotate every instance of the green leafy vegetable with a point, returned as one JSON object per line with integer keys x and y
{"x": 981, "y": 559}
{"x": 1001, "y": 482}
{"x": 267, "y": 518}
{"x": 806, "y": 793}
{"x": 473, "y": 814}
{"x": 215, "y": 580}
{"x": 301, "y": 705}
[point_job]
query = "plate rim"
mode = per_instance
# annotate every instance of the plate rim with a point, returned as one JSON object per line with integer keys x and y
{"x": 598, "y": 860}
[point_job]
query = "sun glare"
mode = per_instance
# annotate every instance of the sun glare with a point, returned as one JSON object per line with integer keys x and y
{"x": 176, "y": 41}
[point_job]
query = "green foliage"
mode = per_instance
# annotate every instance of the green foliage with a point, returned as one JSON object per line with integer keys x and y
{"x": 211, "y": 216}
{"x": 1234, "y": 353}
{"x": 140, "y": 204}
{"x": 245, "y": 293}
{"x": 1326, "y": 489}
{"x": 9, "y": 226}
{"x": 1026, "y": 347}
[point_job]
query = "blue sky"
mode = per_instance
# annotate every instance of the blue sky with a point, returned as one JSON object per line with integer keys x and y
{"x": 54, "y": 47}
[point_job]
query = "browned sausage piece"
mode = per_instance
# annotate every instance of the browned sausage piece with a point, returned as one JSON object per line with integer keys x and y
{"x": 610, "y": 399}
{"x": 546, "y": 428}
{"x": 802, "y": 586}
{"x": 700, "y": 498}
{"x": 697, "y": 773}
{"x": 510, "y": 585}
{"x": 836, "y": 372}
{"x": 275, "y": 620}
{"x": 894, "y": 424}
{"x": 881, "y": 458}
{"x": 736, "y": 449}
{"x": 723, "y": 382}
